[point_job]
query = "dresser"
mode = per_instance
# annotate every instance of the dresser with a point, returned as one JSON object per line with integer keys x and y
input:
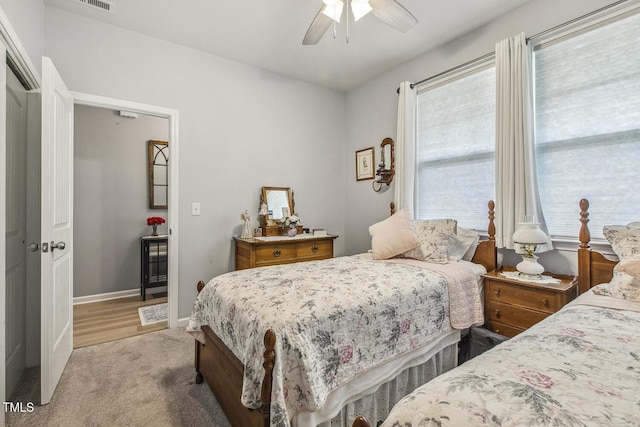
{"x": 260, "y": 252}
{"x": 512, "y": 305}
{"x": 154, "y": 258}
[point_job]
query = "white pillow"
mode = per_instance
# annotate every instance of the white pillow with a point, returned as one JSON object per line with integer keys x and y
{"x": 393, "y": 236}
{"x": 625, "y": 283}
{"x": 463, "y": 244}
{"x": 434, "y": 235}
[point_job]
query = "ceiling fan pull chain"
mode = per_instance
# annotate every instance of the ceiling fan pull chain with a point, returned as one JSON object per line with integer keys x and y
{"x": 348, "y": 7}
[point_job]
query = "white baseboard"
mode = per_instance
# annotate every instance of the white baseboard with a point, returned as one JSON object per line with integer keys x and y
{"x": 106, "y": 296}
{"x": 182, "y": 323}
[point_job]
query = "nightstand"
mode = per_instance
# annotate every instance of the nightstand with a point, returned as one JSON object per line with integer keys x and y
{"x": 512, "y": 305}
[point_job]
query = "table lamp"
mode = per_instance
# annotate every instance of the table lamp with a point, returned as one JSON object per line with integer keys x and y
{"x": 530, "y": 237}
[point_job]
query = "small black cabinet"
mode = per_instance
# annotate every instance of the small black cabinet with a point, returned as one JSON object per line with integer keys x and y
{"x": 154, "y": 255}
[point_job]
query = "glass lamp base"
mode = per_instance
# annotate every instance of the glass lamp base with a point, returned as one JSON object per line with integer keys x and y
{"x": 529, "y": 268}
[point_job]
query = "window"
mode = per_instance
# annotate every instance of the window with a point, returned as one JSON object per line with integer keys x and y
{"x": 455, "y": 170}
{"x": 587, "y": 114}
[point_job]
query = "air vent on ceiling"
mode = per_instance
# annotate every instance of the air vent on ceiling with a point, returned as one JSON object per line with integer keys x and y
{"x": 106, "y": 6}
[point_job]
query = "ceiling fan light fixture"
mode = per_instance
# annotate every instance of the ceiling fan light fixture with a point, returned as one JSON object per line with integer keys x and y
{"x": 360, "y": 8}
{"x": 333, "y": 10}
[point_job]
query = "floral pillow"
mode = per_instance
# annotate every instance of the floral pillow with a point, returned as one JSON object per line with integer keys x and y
{"x": 433, "y": 235}
{"x": 393, "y": 236}
{"x": 625, "y": 283}
{"x": 624, "y": 239}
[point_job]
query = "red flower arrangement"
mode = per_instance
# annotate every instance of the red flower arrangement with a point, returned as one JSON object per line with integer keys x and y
{"x": 155, "y": 220}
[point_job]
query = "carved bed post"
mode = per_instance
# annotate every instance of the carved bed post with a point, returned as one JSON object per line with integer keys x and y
{"x": 392, "y": 208}
{"x": 584, "y": 252}
{"x": 361, "y": 422}
{"x": 492, "y": 215}
{"x": 268, "y": 364}
{"x": 199, "y": 377}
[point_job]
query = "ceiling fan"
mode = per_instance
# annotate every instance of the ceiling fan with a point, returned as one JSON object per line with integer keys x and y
{"x": 390, "y": 12}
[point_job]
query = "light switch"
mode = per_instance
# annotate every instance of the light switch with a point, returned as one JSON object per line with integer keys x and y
{"x": 195, "y": 209}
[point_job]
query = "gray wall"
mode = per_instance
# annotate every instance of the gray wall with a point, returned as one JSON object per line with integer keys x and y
{"x": 111, "y": 198}
{"x": 372, "y": 108}
{"x": 240, "y": 128}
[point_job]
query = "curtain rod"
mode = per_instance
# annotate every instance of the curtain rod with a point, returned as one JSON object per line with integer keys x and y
{"x": 542, "y": 33}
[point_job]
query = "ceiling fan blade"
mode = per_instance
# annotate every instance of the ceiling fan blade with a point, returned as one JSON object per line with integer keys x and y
{"x": 393, "y": 14}
{"x": 318, "y": 27}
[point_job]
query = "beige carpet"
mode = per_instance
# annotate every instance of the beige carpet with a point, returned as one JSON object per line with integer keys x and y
{"x": 147, "y": 380}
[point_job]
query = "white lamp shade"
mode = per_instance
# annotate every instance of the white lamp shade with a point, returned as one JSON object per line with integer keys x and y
{"x": 334, "y": 11}
{"x": 360, "y": 8}
{"x": 529, "y": 233}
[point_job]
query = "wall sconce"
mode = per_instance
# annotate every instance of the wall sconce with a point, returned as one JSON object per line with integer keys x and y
{"x": 530, "y": 237}
{"x": 385, "y": 171}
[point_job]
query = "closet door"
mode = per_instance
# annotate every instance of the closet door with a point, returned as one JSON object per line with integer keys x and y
{"x": 16, "y": 271}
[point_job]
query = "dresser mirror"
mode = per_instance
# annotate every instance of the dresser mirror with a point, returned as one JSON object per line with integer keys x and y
{"x": 279, "y": 201}
{"x": 158, "y": 174}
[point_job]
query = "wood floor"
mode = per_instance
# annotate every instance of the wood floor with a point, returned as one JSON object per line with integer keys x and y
{"x": 103, "y": 321}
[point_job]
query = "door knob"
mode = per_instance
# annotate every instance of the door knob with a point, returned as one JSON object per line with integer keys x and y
{"x": 34, "y": 247}
{"x": 59, "y": 245}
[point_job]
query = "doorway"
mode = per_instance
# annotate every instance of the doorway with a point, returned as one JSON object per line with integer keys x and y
{"x": 111, "y": 207}
{"x": 172, "y": 116}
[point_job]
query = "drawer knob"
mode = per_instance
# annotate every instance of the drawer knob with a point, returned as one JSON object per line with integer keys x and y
{"x": 314, "y": 248}
{"x": 545, "y": 302}
{"x": 497, "y": 313}
{"x": 497, "y": 292}
{"x": 277, "y": 253}
{"x": 497, "y": 331}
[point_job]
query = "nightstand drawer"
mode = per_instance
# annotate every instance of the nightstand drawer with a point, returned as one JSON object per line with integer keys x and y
{"x": 502, "y": 329}
{"x": 513, "y": 315}
{"x": 314, "y": 249}
{"x": 539, "y": 299}
{"x": 274, "y": 254}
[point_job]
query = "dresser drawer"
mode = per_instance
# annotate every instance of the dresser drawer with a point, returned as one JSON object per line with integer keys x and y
{"x": 513, "y": 315}
{"x": 502, "y": 329}
{"x": 274, "y": 254}
{"x": 314, "y": 249}
{"x": 538, "y": 299}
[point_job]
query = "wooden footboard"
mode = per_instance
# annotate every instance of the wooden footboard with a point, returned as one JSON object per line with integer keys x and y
{"x": 223, "y": 372}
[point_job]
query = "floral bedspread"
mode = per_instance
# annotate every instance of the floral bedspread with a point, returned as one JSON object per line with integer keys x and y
{"x": 580, "y": 367}
{"x": 333, "y": 320}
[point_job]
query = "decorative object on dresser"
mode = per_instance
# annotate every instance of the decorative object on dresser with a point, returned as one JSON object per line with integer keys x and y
{"x": 513, "y": 304}
{"x": 154, "y": 222}
{"x": 365, "y": 161}
{"x": 262, "y": 251}
{"x": 276, "y": 204}
{"x": 246, "y": 226}
{"x": 154, "y": 258}
{"x": 387, "y": 167}
{"x": 530, "y": 237}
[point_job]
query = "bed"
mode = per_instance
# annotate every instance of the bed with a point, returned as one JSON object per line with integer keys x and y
{"x": 578, "y": 367}
{"x": 359, "y": 325}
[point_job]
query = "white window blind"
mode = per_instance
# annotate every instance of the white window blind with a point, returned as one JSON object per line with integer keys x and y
{"x": 587, "y": 114}
{"x": 455, "y": 171}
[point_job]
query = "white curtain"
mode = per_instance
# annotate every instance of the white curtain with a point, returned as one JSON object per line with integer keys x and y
{"x": 405, "y": 148}
{"x": 516, "y": 179}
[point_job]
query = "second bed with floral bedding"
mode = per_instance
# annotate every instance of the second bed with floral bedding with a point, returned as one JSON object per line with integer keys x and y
{"x": 335, "y": 320}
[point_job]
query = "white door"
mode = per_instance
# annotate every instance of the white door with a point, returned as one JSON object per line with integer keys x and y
{"x": 56, "y": 229}
{"x": 15, "y": 314}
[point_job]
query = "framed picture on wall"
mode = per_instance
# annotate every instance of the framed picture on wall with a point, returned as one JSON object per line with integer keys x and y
{"x": 364, "y": 164}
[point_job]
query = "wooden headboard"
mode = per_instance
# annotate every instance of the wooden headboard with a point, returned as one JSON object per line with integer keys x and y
{"x": 593, "y": 267}
{"x": 486, "y": 252}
